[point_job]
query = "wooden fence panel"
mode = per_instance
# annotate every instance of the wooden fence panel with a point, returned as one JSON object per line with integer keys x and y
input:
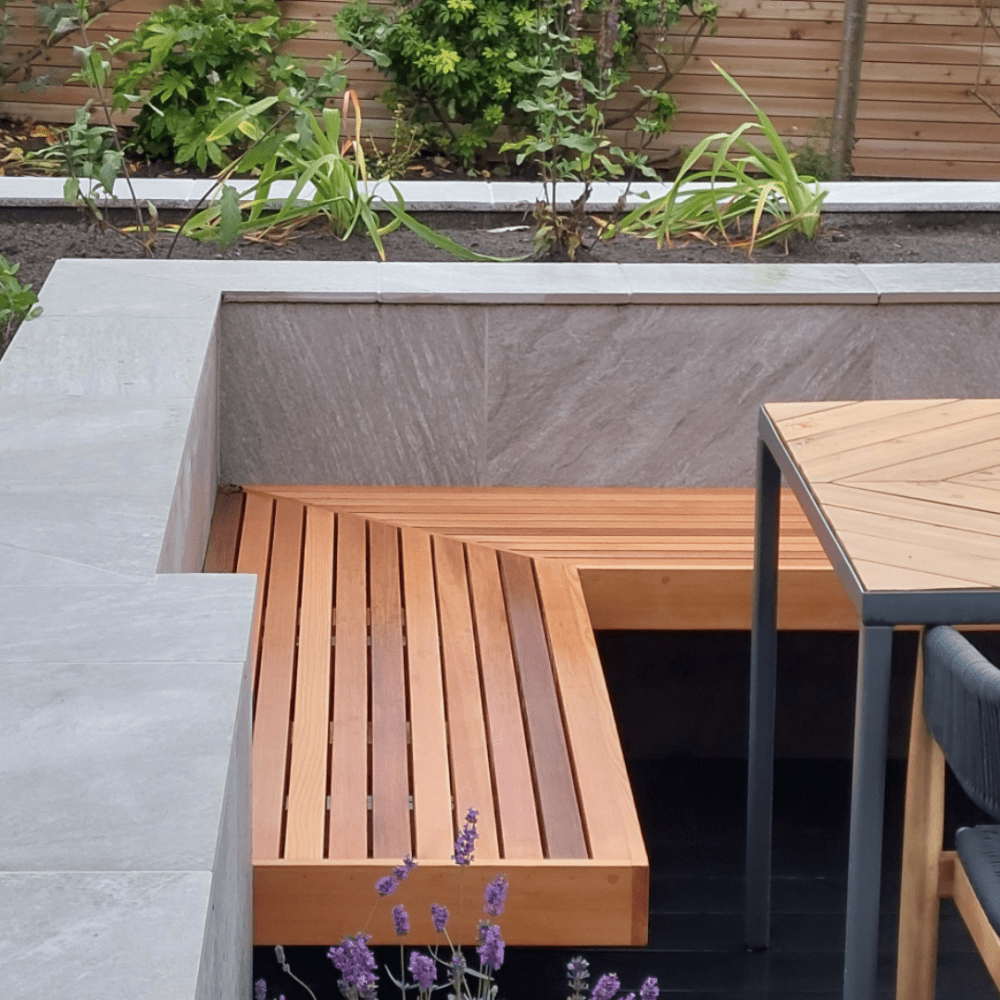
{"x": 917, "y": 117}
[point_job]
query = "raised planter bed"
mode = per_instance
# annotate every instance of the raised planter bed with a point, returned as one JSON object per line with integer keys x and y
{"x": 127, "y": 402}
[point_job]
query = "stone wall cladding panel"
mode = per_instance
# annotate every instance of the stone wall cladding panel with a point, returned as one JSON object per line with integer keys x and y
{"x": 937, "y": 351}
{"x": 658, "y": 395}
{"x": 353, "y": 394}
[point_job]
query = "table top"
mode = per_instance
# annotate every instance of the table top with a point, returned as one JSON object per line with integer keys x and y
{"x": 908, "y": 489}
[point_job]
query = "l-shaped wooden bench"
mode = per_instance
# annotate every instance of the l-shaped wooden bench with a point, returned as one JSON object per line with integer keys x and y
{"x": 420, "y": 651}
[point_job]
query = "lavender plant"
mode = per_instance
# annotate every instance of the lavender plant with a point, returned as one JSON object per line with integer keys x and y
{"x": 354, "y": 960}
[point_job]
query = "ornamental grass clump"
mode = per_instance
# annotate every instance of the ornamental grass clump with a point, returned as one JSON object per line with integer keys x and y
{"x": 444, "y": 967}
{"x": 757, "y": 184}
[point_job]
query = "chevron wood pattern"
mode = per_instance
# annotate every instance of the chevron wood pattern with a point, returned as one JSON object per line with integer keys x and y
{"x": 911, "y": 488}
{"x": 402, "y": 676}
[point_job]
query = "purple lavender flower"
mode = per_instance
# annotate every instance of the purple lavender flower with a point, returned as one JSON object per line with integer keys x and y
{"x": 491, "y": 950}
{"x": 458, "y": 965}
{"x": 356, "y": 965}
{"x": 401, "y": 871}
{"x": 650, "y": 989}
{"x": 466, "y": 841}
{"x": 496, "y": 896}
{"x": 578, "y": 976}
{"x": 260, "y": 989}
{"x": 386, "y": 885}
{"x": 423, "y": 970}
{"x": 607, "y": 986}
{"x": 401, "y": 919}
{"x": 439, "y": 916}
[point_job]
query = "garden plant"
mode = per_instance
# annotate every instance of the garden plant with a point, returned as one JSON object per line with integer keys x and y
{"x": 313, "y": 155}
{"x": 18, "y": 302}
{"x": 464, "y": 69}
{"x": 195, "y": 63}
{"x": 761, "y": 182}
{"x": 356, "y": 963}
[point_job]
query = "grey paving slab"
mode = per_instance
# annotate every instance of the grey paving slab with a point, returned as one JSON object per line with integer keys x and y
{"x": 23, "y": 568}
{"x": 353, "y": 393}
{"x": 912, "y": 196}
{"x": 114, "y": 766}
{"x": 31, "y": 190}
{"x": 90, "y": 356}
{"x": 90, "y": 479}
{"x": 485, "y": 283}
{"x": 267, "y": 281}
{"x": 177, "y": 190}
{"x": 92, "y": 288}
{"x": 176, "y": 618}
{"x": 98, "y": 935}
{"x": 934, "y": 282}
{"x": 749, "y": 283}
{"x": 514, "y": 196}
{"x": 185, "y": 538}
{"x": 843, "y": 196}
{"x": 459, "y": 196}
{"x": 227, "y": 951}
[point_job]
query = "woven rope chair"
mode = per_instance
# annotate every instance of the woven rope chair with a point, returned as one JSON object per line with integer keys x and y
{"x": 956, "y": 717}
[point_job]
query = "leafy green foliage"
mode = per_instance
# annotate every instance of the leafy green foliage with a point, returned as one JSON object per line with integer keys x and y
{"x": 194, "y": 64}
{"x": 405, "y": 145}
{"x": 761, "y": 182}
{"x": 329, "y": 180}
{"x": 569, "y": 144}
{"x": 17, "y": 302}
{"x": 477, "y": 61}
{"x": 84, "y": 150}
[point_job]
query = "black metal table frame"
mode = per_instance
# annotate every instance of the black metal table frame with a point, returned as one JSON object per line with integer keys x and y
{"x": 878, "y": 613}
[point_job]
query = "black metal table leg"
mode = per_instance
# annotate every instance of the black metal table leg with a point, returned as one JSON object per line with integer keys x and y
{"x": 763, "y": 664}
{"x": 871, "y": 725}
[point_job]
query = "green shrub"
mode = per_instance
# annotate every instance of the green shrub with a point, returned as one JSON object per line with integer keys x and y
{"x": 17, "y": 302}
{"x": 197, "y": 62}
{"x": 477, "y": 61}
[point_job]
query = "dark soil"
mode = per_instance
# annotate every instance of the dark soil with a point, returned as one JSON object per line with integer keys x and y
{"x": 845, "y": 238}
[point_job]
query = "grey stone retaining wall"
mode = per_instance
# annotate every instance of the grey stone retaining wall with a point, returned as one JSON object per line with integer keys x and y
{"x": 124, "y": 723}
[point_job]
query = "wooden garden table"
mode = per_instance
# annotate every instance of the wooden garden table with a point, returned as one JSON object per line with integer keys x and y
{"x": 904, "y": 496}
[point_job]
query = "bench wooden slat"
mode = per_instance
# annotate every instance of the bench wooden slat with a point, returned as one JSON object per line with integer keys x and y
{"x": 612, "y": 822}
{"x": 223, "y": 538}
{"x": 255, "y": 550}
{"x": 562, "y": 826}
{"x": 509, "y": 750}
{"x": 466, "y": 727}
{"x": 305, "y": 824}
{"x": 348, "y": 837}
{"x": 390, "y": 767}
{"x": 274, "y": 692}
{"x": 432, "y": 812}
{"x": 570, "y": 904}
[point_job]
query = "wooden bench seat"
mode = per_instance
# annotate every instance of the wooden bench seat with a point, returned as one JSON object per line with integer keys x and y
{"x": 422, "y": 651}
{"x": 647, "y": 558}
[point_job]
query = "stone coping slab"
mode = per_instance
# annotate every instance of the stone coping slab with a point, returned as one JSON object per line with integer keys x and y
{"x": 95, "y": 291}
{"x": 518, "y": 196}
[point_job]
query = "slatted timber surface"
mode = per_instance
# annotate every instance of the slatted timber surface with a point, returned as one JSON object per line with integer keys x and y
{"x": 647, "y": 558}
{"x": 402, "y": 676}
{"x": 918, "y": 115}
{"x": 911, "y": 487}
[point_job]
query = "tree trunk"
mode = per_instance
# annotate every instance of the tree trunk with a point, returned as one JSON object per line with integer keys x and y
{"x": 845, "y": 105}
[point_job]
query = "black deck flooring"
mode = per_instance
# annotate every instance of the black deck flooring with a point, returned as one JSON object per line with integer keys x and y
{"x": 693, "y": 818}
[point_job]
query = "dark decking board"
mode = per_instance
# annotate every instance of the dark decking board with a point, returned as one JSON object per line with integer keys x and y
{"x": 693, "y": 814}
